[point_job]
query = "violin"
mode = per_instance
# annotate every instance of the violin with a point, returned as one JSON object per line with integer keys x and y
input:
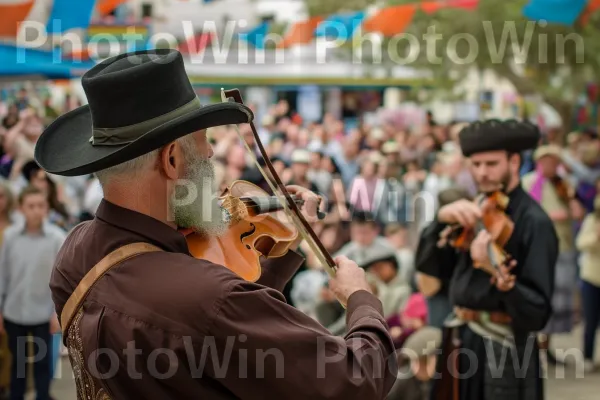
{"x": 257, "y": 223}
{"x": 254, "y": 230}
{"x": 496, "y": 222}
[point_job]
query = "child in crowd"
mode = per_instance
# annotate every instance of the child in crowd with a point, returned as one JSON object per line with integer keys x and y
{"x": 364, "y": 237}
{"x": 29, "y": 249}
{"x": 417, "y": 361}
{"x": 409, "y": 319}
{"x": 381, "y": 265}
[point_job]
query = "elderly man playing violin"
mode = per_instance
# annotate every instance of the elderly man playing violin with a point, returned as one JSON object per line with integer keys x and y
{"x": 490, "y": 350}
{"x": 142, "y": 317}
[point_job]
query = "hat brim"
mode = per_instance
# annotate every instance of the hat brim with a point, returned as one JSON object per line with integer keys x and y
{"x": 385, "y": 258}
{"x": 65, "y": 149}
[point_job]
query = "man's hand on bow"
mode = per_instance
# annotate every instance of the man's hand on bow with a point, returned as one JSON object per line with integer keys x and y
{"x": 464, "y": 212}
{"x": 312, "y": 201}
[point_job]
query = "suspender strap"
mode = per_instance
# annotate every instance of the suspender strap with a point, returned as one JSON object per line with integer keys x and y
{"x": 89, "y": 280}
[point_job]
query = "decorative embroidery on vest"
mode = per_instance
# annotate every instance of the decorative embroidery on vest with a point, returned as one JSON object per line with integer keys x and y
{"x": 86, "y": 389}
{"x": 102, "y": 395}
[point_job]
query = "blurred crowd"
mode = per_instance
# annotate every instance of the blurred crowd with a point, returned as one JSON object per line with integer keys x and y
{"x": 381, "y": 184}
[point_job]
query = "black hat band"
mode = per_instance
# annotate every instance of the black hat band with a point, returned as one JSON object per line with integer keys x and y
{"x": 127, "y": 134}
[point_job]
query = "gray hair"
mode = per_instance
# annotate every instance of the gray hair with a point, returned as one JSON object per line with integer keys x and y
{"x": 133, "y": 169}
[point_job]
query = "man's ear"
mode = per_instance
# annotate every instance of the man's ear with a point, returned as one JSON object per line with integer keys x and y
{"x": 169, "y": 159}
{"x": 515, "y": 160}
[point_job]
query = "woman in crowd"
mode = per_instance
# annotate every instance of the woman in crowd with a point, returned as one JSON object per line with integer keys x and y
{"x": 588, "y": 243}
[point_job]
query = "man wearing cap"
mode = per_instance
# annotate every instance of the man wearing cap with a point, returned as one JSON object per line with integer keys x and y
{"x": 556, "y": 196}
{"x": 495, "y": 320}
{"x": 142, "y": 318}
{"x": 300, "y": 165}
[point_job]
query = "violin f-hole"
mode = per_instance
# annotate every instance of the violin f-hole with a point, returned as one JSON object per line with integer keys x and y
{"x": 247, "y": 234}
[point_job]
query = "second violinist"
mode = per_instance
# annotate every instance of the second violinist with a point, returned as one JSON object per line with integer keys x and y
{"x": 492, "y": 314}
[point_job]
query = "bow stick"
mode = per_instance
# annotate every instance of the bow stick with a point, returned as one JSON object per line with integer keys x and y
{"x": 283, "y": 195}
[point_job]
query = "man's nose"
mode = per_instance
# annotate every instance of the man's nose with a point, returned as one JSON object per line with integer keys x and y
{"x": 211, "y": 152}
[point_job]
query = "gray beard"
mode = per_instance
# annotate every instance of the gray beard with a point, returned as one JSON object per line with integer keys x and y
{"x": 194, "y": 205}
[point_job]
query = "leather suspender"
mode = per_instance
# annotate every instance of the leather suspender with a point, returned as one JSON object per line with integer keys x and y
{"x": 89, "y": 280}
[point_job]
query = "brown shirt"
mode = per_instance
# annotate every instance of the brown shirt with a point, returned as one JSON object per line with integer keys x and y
{"x": 164, "y": 325}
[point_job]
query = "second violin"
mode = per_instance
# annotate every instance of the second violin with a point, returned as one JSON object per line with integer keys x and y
{"x": 495, "y": 221}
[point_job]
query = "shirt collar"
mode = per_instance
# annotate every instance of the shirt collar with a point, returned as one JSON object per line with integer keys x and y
{"x": 143, "y": 225}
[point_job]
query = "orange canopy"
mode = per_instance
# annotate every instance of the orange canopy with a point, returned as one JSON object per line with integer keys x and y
{"x": 301, "y": 32}
{"x": 592, "y": 6}
{"x": 106, "y": 6}
{"x": 391, "y": 21}
{"x": 431, "y": 7}
{"x": 10, "y": 17}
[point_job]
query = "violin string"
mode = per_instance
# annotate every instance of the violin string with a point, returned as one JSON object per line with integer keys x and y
{"x": 283, "y": 201}
{"x": 250, "y": 205}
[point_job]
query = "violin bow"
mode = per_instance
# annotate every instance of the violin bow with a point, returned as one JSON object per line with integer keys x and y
{"x": 281, "y": 192}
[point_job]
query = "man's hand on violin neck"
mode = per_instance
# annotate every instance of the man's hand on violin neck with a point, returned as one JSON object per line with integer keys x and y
{"x": 349, "y": 278}
{"x": 505, "y": 281}
{"x": 311, "y": 202}
{"x": 463, "y": 212}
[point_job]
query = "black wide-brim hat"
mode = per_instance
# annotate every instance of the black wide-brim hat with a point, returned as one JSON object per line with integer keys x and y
{"x": 138, "y": 102}
{"x": 492, "y": 135}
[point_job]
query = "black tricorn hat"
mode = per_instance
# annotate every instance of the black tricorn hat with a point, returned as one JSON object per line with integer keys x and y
{"x": 138, "y": 102}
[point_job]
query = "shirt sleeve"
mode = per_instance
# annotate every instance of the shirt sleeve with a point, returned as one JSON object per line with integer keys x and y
{"x": 297, "y": 358}
{"x": 430, "y": 259}
{"x": 529, "y": 303}
{"x": 277, "y": 272}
